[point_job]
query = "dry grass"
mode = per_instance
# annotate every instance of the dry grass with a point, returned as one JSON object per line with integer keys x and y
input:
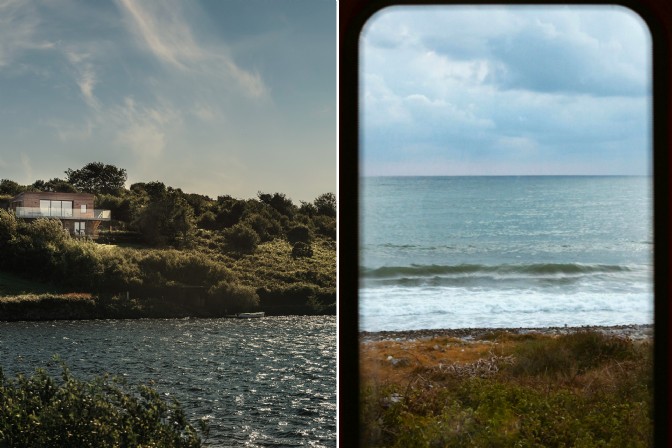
{"x": 506, "y": 389}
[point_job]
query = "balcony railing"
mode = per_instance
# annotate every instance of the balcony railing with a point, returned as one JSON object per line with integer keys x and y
{"x": 37, "y": 212}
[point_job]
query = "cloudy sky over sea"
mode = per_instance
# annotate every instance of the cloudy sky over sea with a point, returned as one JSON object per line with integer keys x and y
{"x": 463, "y": 90}
{"x": 212, "y": 96}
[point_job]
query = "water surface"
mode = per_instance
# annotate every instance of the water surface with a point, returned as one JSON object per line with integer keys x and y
{"x": 260, "y": 382}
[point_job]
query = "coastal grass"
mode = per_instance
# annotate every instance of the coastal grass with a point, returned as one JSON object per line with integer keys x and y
{"x": 582, "y": 389}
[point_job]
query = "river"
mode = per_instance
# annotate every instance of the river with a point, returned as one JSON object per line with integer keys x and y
{"x": 259, "y": 382}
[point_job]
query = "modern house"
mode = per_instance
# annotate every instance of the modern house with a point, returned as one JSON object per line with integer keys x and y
{"x": 74, "y": 210}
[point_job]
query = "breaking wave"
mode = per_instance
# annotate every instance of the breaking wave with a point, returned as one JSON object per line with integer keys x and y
{"x": 415, "y": 270}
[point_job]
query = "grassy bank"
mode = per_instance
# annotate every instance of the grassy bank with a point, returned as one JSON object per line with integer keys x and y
{"x": 582, "y": 389}
{"x": 84, "y": 280}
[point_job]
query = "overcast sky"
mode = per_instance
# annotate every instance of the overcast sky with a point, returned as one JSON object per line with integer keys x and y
{"x": 483, "y": 90}
{"x": 212, "y": 96}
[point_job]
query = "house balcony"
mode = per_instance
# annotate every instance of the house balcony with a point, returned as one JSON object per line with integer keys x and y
{"x": 89, "y": 215}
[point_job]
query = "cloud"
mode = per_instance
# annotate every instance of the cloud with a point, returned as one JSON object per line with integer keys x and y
{"x": 162, "y": 30}
{"x": 450, "y": 88}
{"x": 27, "y": 166}
{"x": 70, "y": 133}
{"x": 85, "y": 76}
{"x": 592, "y": 50}
{"x": 19, "y": 26}
{"x": 550, "y": 57}
{"x": 205, "y": 112}
{"x": 144, "y": 129}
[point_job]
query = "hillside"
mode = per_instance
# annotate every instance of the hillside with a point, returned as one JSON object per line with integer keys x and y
{"x": 167, "y": 253}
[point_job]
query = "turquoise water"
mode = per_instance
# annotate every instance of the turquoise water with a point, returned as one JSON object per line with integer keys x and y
{"x": 259, "y": 382}
{"x": 451, "y": 252}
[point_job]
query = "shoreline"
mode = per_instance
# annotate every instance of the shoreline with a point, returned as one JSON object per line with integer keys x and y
{"x": 632, "y": 331}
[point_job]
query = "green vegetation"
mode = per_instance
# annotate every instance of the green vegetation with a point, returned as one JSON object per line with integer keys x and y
{"x": 171, "y": 254}
{"x": 40, "y": 411}
{"x": 578, "y": 390}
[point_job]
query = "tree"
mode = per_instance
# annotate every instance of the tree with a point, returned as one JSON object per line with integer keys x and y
{"x": 10, "y": 187}
{"x": 263, "y": 225}
{"x": 229, "y": 211}
{"x": 97, "y": 178}
{"x": 279, "y": 202}
{"x": 167, "y": 220}
{"x": 326, "y": 204}
{"x": 56, "y": 185}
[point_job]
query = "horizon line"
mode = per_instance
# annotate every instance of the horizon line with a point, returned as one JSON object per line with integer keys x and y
{"x": 507, "y": 175}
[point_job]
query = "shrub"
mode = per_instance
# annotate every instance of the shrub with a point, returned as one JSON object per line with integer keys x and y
{"x": 207, "y": 220}
{"x": 325, "y": 225}
{"x": 8, "y": 233}
{"x": 266, "y": 227}
{"x": 81, "y": 265}
{"x": 301, "y": 249}
{"x": 299, "y": 233}
{"x": 241, "y": 238}
{"x": 570, "y": 354}
{"x": 227, "y": 298}
{"x": 162, "y": 266}
{"x": 103, "y": 412}
{"x": 46, "y": 232}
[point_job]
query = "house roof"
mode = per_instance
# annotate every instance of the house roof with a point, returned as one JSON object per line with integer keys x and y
{"x": 51, "y": 194}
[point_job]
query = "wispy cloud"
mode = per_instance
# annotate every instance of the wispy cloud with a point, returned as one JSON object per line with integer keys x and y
{"x": 19, "y": 24}
{"x": 85, "y": 77}
{"x": 143, "y": 129}
{"x": 162, "y": 29}
{"x": 27, "y": 166}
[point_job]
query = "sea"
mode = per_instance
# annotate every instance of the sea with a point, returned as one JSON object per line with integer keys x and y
{"x": 505, "y": 251}
{"x": 268, "y": 382}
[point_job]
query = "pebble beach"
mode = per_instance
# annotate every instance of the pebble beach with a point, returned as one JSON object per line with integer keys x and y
{"x": 634, "y": 332}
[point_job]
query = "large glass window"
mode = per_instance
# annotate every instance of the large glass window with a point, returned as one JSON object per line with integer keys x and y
{"x": 45, "y": 206}
{"x": 56, "y": 208}
{"x": 67, "y": 208}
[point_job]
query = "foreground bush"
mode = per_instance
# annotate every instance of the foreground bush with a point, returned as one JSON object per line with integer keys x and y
{"x": 39, "y": 411}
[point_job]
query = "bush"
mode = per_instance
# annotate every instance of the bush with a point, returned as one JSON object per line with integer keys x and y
{"x": 103, "y": 412}
{"x": 162, "y": 266}
{"x": 326, "y": 226}
{"x": 299, "y": 233}
{"x": 227, "y": 298}
{"x": 302, "y": 250}
{"x": 266, "y": 227}
{"x": 207, "y": 220}
{"x": 241, "y": 238}
{"x": 570, "y": 354}
{"x": 8, "y": 233}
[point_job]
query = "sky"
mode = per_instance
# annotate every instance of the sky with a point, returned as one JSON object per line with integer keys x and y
{"x": 485, "y": 90}
{"x": 216, "y": 97}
